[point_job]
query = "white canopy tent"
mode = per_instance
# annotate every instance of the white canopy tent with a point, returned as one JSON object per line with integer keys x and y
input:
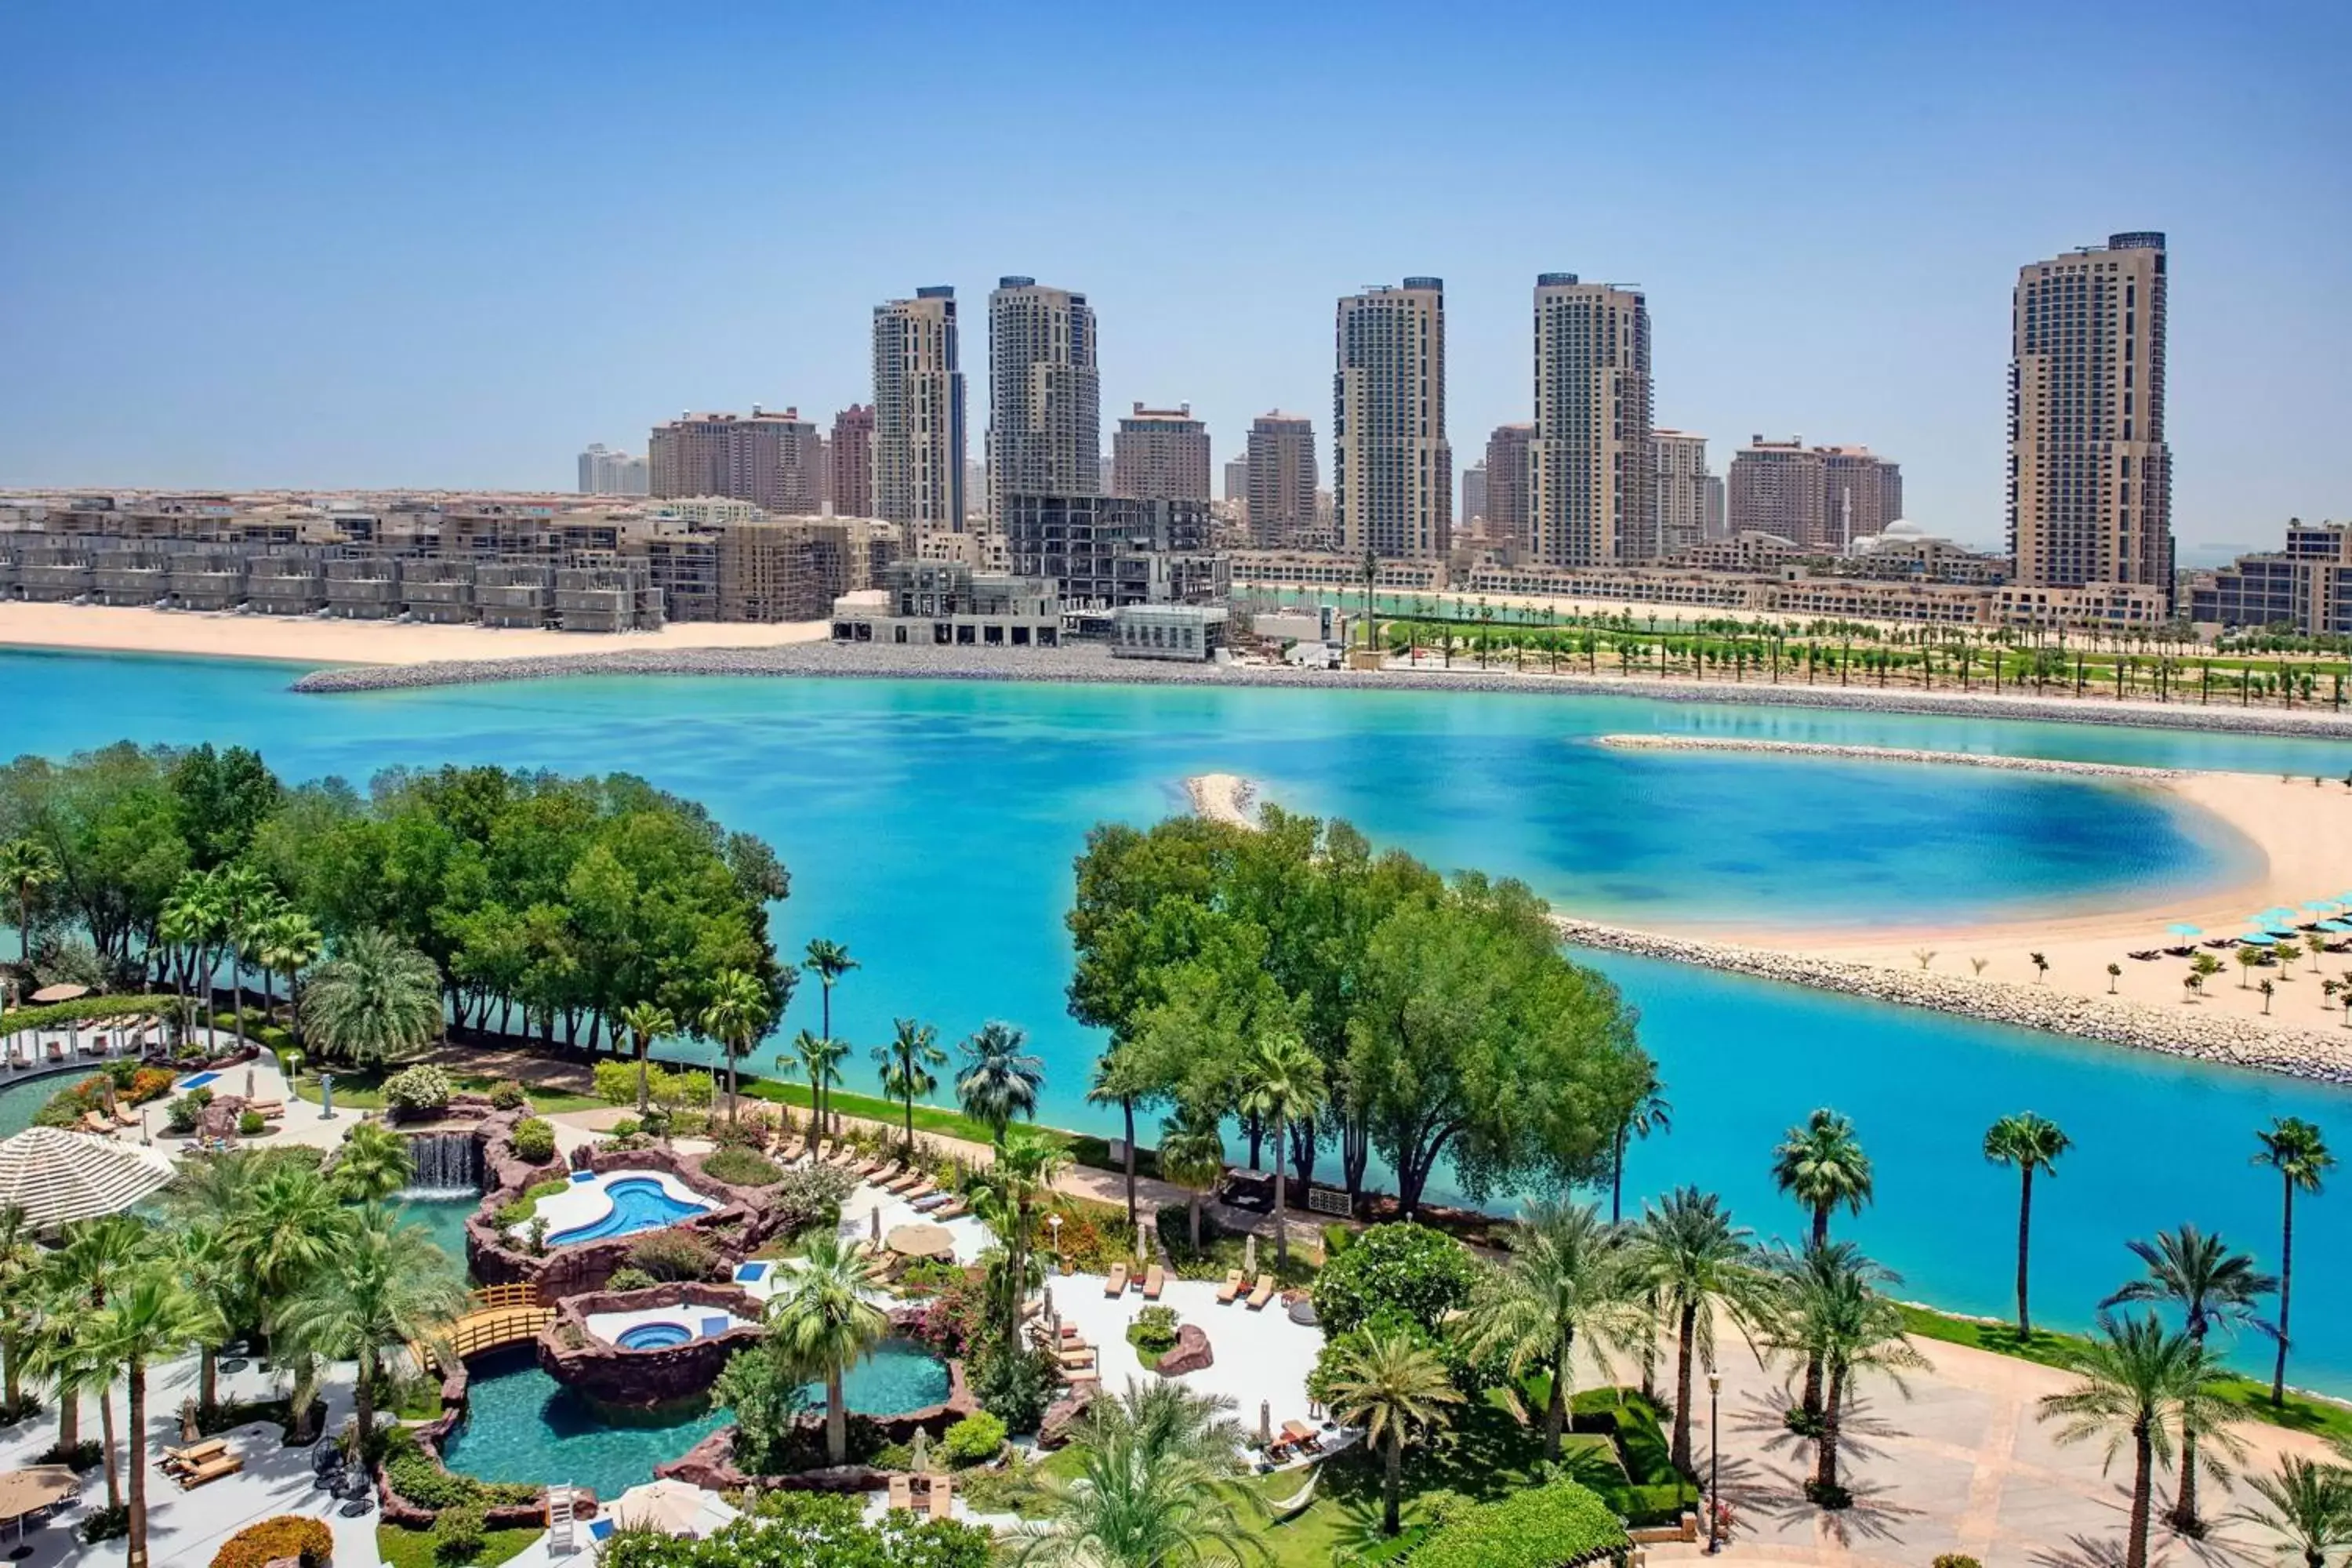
{"x": 57, "y": 1176}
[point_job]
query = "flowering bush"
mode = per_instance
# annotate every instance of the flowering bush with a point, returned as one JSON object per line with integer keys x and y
{"x": 420, "y": 1088}
{"x": 288, "y": 1535}
{"x": 1422, "y": 1272}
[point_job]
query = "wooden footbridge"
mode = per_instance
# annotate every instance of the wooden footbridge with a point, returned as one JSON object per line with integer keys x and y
{"x": 500, "y": 1315}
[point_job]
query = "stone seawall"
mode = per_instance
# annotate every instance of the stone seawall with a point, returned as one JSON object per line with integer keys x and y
{"x": 2188, "y": 1031}
{"x": 1884, "y": 755}
{"x": 1089, "y": 665}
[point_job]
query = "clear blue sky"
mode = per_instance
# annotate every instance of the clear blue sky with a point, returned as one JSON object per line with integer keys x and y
{"x": 357, "y": 245}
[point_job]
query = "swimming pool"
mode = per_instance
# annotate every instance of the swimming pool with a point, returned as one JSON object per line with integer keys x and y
{"x": 198, "y": 1081}
{"x": 637, "y": 1203}
{"x": 654, "y": 1336}
{"x": 522, "y": 1425}
{"x": 899, "y": 1376}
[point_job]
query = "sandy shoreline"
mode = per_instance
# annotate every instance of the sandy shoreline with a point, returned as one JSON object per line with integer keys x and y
{"x": 1223, "y": 797}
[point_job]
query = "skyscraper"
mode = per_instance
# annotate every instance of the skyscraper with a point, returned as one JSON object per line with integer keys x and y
{"x": 1044, "y": 395}
{"x": 1160, "y": 454}
{"x": 1282, "y": 480}
{"x": 1718, "y": 522}
{"x": 918, "y": 445}
{"x": 1821, "y": 498}
{"x": 2090, "y": 476}
{"x": 851, "y": 453}
{"x": 1506, "y": 485}
{"x": 1474, "y": 494}
{"x": 604, "y": 472}
{"x": 1393, "y": 470}
{"x": 1237, "y": 477}
{"x": 1864, "y": 493}
{"x": 1680, "y": 479}
{"x": 1588, "y": 462}
{"x": 768, "y": 459}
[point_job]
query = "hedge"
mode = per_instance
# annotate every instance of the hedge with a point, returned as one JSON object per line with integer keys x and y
{"x": 288, "y": 1535}
{"x": 1549, "y": 1527}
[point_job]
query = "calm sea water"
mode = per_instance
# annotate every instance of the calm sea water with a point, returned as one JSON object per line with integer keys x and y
{"x": 932, "y": 826}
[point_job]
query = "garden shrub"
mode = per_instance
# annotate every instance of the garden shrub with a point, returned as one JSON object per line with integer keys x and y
{"x": 627, "y": 1127}
{"x": 421, "y": 1088}
{"x": 427, "y": 1485}
{"x": 929, "y": 1276}
{"x": 1016, "y": 1389}
{"x": 631, "y": 1279}
{"x": 457, "y": 1535}
{"x": 739, "y": 1167}
{"x": 1538, "y": 1528}
{"x": 288, "y": 1535}
{"x": 1422, "y": 1272}
{"x": 975, "y": 1440}
{"x": 251, "y": 1124}
{"x": 674, "y": 1255}
{"x": 507, "y": 1095}
{"x": 517, "y": 1210}
{"x": 1154, "y": 1329}
{"x": 186, "y": 1111}
{"x": 811, "y": 1196}
{"x": 1957, "y": 1560}
{"x": 615, "y": 1083}
{"x": 534, "y": 1141}
{"x": 953, "y": 1320}
{"x": 101, "y": 1524}
{"x": 1336, "y": 1239}
{"x": 900, "y": 1541}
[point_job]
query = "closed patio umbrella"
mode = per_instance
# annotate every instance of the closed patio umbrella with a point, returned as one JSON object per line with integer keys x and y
{"x": 55, "y": 1176}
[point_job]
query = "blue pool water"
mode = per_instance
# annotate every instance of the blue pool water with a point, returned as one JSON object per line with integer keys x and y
{"x": 523, "y": 1426}
{"x": 638, "y": 1204}
{"x": 443, "y": 1219}
{"x": 898, "y": 1377}
{"x": 654, "y": 1336}
{"x": 988, "y": 789}
{"x": 198, "y": 1082}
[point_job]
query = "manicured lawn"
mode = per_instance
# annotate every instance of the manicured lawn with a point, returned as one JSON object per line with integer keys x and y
{"x": 413, "y": 1548}
{"x": 2325, "y": 1417}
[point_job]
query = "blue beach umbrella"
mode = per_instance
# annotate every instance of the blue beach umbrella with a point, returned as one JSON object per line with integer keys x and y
{"x": 2337, "y": 926}
{"x": 2182, "y": 928}
{"x": 2320, "y": 904}
{"x": 2259, "y": 939}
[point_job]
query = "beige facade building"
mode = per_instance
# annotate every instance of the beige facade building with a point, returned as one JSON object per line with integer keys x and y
{"x": 772, "y": 460}
{"x": 849, "y": 456}
{"x": 1160, "y": 454}
{"x": 1680, "y": 479}
{"x": 1392, "y": 469}
{"x": 1045, "y": 396}
{"x": 1589, "y": 460}
{"x": 1820, "y": 498}
{"x": 1282, "y": 479}
{"x": 918, "y": 419}
{"x": 2090, "y": 476}
{"x": 1507, "y": 515}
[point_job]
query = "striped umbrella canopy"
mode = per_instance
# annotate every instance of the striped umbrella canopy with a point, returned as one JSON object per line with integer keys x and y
{"x": 55, "y": 1176}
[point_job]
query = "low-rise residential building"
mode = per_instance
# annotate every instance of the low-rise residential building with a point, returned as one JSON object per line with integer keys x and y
{"x": 1102, "y": 552}
{"x": 2305, "y": 587}
{"x": 946, "y": 603}
{"x": 1184, "y": 634}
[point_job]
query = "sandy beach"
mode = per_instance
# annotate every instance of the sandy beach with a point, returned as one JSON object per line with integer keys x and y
{"x": 315, "y": 640}
{"x": 1223, "y": 797}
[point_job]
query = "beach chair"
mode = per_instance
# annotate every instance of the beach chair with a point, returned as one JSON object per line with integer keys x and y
{"x": 57, "y": 1051}
{"x": 1230, "y": 1289}
{"x": 269, "y": 1108}
{"x": 872, "y": 1167}
{"x": 898, "y": 1184}
{"x": 91, "y": 1121}
{"x": 1302, "y": 1437}
{"x": 1117, "y": 1284}
{"x": 920, "y": 1190}
{"x": 1263, "y": 1294}
{"x": 1077, "y": 1380}
{"x": 902, "y": 1494}
{"x": 926, "y": 1204}
{"x": 211, "y": 1469}
{"x": 942, "y": 1497}
{"x": 1082, "y": 1360}
{"x": 954, "y": 1208}
{"x": 124, "y": 1116}
{"x": 1155, "y": 1280}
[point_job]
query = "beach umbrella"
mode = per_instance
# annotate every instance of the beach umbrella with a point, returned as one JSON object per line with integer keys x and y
{"x": 1249, "y": 1255}
{"x": 2319, "y": 903}
{"x": 674, "y": 1508}
{"x": 2182, "y": 928}
{"x": 33, "y": 1488}
{"x": 2336, "y": 925}
{"x": 2259, "y": 939}
{"x": 55, "y": 1176}
{"x": 59, "y": 993}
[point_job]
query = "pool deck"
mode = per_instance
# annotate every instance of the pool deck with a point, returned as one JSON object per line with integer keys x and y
{"x": 610, "y": 1326}
{"x": 584, "y": 1204}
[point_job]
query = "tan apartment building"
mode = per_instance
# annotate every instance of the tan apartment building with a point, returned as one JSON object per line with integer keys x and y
{"x": 1508, "y": 515}
{"x": 791, "y": 569}
{"x": 918, "y": 461}
{"x": 2090, "y": 476}
{"x": 1679, "y": 478}
{"x": 1589, "y": 460}
{"x": 1045, "y": 396}
{"x": 1392, "y": 469}
{"x": 1282, "y": 480}
{"x": 1821, "y": 498}
{"x": 850, "y": 456}
{"x": 1160, "y": 454}
{"x": 772, "y": 460}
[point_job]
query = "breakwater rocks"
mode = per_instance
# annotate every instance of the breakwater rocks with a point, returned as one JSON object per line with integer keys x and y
{"x": 1884, "y": 755}
{"x": 2188, "y": 1031}
{"x": 1088, "y": 665}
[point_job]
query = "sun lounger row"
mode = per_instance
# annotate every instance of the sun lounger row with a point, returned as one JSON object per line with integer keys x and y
{"x": 1153, "y": 1281}
{"x": 1231, "y": 1290}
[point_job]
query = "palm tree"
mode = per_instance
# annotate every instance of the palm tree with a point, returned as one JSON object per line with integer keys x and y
{"x": 2298, "y": 1152}
{"x": 21, "y": 1258}
{"x": 1649, "y": 1114}
{"x": 1390, "y": 1385}
{"x": 211, "y": 1270}
{"x": 1834, "y": 1311}
{"x": 292, "y": 1224}
{"x": 821, "y": 1322}
{"x": 1282, "y": 1081}
{"x": 245, "y": 896}
{"x": 377, "y": 1000}
{"x": 2214, "y": 1288}
{"x": 25, "y": 867}
{"x": 1569, "y": 1274}
{"x": 829, "y": 961}
{"x": 289, "y": 944}
{"x": 1024, "y": 1168}
{"x": 820, "y": 1058}
{"x": 910, "y": 1065}
{"x": 98, "y": 1259}
{"x": 646, "y": 1022}
{"x": 1692, "y": 1260}
{"x": 2031, "y": 1143}
{"x": 387, "y": 1286}
{"x": 999, "y": 1081}
{"x": 1193, "y": 1155}
{"x": 153, "y": 1317}
{"x": 191, "y": 918}
{"x": 2307, "y": 1506}
{"x": 1119, "y": 1080}
{"x": 1822, "y": 1165}
{"x": 736, "y": 1012}
{"x": 2139, "y": 1379}
{"x": 1154, "y": 1488}
{"x": 372, "y": 1164}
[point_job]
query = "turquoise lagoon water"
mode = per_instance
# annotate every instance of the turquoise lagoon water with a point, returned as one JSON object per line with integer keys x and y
{"x": 898, "y": 1377}
{"x": 930, "y": 826}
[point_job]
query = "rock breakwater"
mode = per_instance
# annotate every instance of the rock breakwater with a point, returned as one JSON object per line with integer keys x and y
{"x": 1885, "y": 754}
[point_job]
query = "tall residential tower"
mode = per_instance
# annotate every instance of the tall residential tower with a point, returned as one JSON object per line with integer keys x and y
{"x": 1393, "y": 470}
{"x": 918, "y": 458}
{"x": 1160, "y": 454}
{"x": 1282, "y": 479}
{"x": 1045, "y": 396}
{"x": 1588, "y": 462}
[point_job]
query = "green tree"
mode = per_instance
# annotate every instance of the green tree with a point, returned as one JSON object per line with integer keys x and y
{"x": 371, "y": 1164}
{"x": 2307, "y": 1506}
{"x": 387, "y": 1284}
{"x": 245, "y": 899}
{"x": 290, "y": 1223}
{"x": 1392, "y": 1386}
{"x": 1650, "y": 1113}
{"x": 910, "y": 1065}
{"x": 999, "y": 1081}
{"x": 1834, "y": 1312}
{"x": 25, "y": 867}
{"x": 2031, "y": 1143}
{"x": 1570, "y": 1274}
{"x": 821, "y": 1322}
{"x": 2138, "y": 1381}
{"x": 377, "y": 1000}
{"x": 829, "y": 961}
{"x": 819, "y": 1058}
{"x": 1821, "y": 1165}
{"x": 1007, "y": 1191}
{"x": 1282, "y": 1082}
{"x": 646, "y": 1022}
{"x": 736, "y": 1014}
{"x": 21, "y": 1260}
{"x": 1121, "y": 1078}
{"x": 1689, "y": 1257}
{"x": 211, "y": 1270}
{"x": 97, "y": 1261}
{"x": 2213, "y": 1287}
{"x": 154, "y": 1317}
{"x": 193, "y": 919}
{"x": 288, "y": 944}
{"x": 1155, "y": 1488}
{"x": 1193, "y": 1155}
{"x": 2298, "y": 1152}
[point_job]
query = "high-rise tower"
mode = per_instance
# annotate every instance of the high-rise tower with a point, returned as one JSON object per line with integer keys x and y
{"x": 1044, "y": 395}
{"x": 919, "y": 474}
{"x": 1393, "y": 470}
{"x": 1588, "y": 462}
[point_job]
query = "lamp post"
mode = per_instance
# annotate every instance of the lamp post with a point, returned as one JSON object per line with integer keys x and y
{"x": 1714, "y": 1461}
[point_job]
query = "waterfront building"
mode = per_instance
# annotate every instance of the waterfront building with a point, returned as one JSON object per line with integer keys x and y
{"x": 1821, "y": 498}
{"x": 1719, "y": 521}
{"x": 918, "y": 462}
{"x": 1588, "y": 460}
{"x": 947, "y": 603}
{"x": 1160, "y": 454}
{"x": 1045, "y": 396}
{"x": 769, "y": 460}
{"x": 849, "y": 462}
{"x": 1101, "y": 551}
{"x": 2305, "y": 587}
{"x": 1281, "y": 479}
{"x": 1680, "y": 479}
{"x": 1392, "y": 469}
{"x": 1182, "y": 633}
{"x": 1507, "y": 486}
{"x": 1236, "y": 479}
{"x": 604, "y": 472}
{"x": 2090, "y": 475}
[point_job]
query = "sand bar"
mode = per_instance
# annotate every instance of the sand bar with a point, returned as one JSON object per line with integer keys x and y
{"x": 1223, "y": 797}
